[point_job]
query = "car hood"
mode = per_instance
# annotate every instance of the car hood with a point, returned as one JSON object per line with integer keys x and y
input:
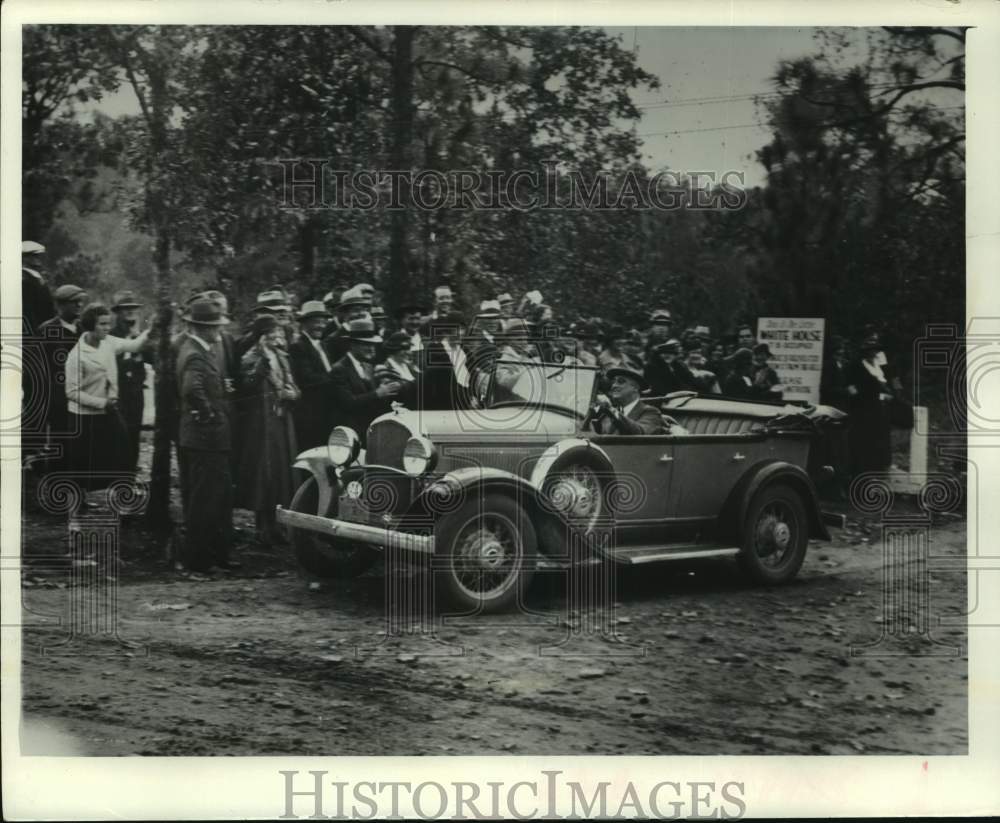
{"x": 514, "y": 421}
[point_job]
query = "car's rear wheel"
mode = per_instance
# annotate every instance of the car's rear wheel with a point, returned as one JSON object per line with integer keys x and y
{"x": 486, "y": 554}
{"x": 323, "y": 556}
{"x": 775, "y": 535}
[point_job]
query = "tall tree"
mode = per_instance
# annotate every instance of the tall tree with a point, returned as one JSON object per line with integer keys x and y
{"x": 152, "y": 59}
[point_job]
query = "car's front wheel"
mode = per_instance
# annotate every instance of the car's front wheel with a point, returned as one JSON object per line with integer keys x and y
{"x": 775, "y": 535}
{"x": 323, "y": 556}
{"x": 486, "y": 552}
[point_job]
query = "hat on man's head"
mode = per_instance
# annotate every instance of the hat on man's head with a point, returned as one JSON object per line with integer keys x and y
{"x": 272, "y": 300}
{"x": 313, "y": 308}
{"x": 702, "y": 331}
{"x": 331, "y": 297}
{"x": 762, "y": 348}
{"x": 64, "y": 294}
{"x": 264, "y": 324}
{"x": 363, "y": 331}
{"x": 31, "y": 247}
{"x": 626, "y": 370}
{"x": 441, "y": 291}
{"x": 660, "y": 316}
{"x": 378, "y": 312}
{"x": 398, "y": 341}
{"x": 671, "y": 346}
{"x": 352, "y": 297}
{"x": 366, "y": 289}
{"x": 125, "y": 300}
{"x": 204, "y": 311}
{"x": 489, "y": 308}
{"x": 504, "y": 297}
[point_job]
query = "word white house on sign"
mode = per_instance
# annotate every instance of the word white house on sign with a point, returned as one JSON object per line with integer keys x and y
{"x": 796, "y": 345}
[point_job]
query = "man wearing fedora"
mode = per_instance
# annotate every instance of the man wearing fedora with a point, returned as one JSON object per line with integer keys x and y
{"x": 354, "y": 305}
{"x": 620, "y": 411}
{"x": 311, "y": 365}
{"x": 205, "y": 440}
{"x": 356, "y": 398}
{"x": 131, "y": 374}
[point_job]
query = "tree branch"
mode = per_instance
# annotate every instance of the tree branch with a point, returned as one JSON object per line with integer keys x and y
{"x": 370, "y": 42}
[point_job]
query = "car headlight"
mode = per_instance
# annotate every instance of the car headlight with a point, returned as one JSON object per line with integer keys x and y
{"x": 343, "y": 446}
{"x": 419, "y": 456}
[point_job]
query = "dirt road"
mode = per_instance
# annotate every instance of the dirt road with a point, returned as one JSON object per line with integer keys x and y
{"x": 266, "y": 661}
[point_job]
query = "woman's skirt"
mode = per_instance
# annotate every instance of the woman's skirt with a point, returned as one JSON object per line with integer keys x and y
{"x": 95, "y": 454}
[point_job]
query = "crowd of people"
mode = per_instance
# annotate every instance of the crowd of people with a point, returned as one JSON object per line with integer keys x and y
{"x": 244, "y": 404}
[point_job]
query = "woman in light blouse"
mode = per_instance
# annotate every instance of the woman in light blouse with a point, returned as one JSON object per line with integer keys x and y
{"x": 91, "y": 372}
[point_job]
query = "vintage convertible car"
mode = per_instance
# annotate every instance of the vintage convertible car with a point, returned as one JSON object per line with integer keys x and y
{"x": 488, "y": 495}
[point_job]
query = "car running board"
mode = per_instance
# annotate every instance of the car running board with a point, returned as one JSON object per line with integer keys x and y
{"x": 633, "y": 555}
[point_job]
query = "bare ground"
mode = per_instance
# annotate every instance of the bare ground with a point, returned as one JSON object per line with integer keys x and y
{"x": 267, "y": 661}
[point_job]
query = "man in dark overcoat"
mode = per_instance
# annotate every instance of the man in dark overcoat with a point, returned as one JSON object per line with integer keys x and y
{"x": 311, "y": 364}
{"x": 356, "y": 399}
{"x": 205, "y": 438}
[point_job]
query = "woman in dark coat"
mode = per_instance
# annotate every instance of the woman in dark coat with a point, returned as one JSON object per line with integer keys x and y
{"x": 264, "y": 479}
{"x": 869, "y": 392}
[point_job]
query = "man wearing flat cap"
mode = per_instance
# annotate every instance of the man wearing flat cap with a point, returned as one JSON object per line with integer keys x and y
{"x": 356, "y": 398}
{"x": 58, "y": 336}
{"x": 131, "y": 374}
{"x": 36, "y": 299}
{"x": 312, "y": 363}
{"x": 205, "y": 440}
{"x": 620, "y": 411}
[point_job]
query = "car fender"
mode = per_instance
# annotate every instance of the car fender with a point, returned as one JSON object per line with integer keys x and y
{"x": 763, "y": 474}
{"x": 561, "y": 453}
{"x": 316, "y": 461}
{"x": 450, "y": 491}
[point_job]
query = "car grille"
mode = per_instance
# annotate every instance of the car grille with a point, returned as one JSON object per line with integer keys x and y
{"x": 384, "y": 493}
{"x": 386, "y": 440}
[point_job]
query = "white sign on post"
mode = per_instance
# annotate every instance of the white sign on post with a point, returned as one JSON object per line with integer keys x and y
{"x": 796, "y": 345}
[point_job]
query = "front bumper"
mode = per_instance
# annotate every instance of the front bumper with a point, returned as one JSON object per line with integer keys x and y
{"x": 377, "y": 538}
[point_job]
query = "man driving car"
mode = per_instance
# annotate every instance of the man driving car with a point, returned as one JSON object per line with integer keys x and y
{"x": 621, "y": 411}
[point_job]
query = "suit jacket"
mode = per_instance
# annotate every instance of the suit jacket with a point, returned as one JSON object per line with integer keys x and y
{"x": 355, "y": 403}
{"x": 131, "y": 368}
{"x": 204, "y": 405}
{"x": 57, "y": 343}
{"x": 314, "y": 411}
{"x": 438, "y": 387}
{"x": 664, "y": 379}
{"x": 641, "y": 419}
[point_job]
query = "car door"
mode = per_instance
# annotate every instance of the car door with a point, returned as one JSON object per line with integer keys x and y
{"x": 640, "y": 494}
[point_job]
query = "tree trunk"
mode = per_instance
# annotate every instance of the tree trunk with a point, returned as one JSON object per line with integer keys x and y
{"x": 399, "y": 288}
{"x": 159, "y": 497}
{"x": 158, "y": 512}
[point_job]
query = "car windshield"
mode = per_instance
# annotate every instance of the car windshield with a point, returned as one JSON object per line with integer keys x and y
{"x": 545, "y": 384}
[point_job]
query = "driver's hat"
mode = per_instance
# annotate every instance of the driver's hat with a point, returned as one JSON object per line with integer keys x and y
{"x": 630, "y": 373}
